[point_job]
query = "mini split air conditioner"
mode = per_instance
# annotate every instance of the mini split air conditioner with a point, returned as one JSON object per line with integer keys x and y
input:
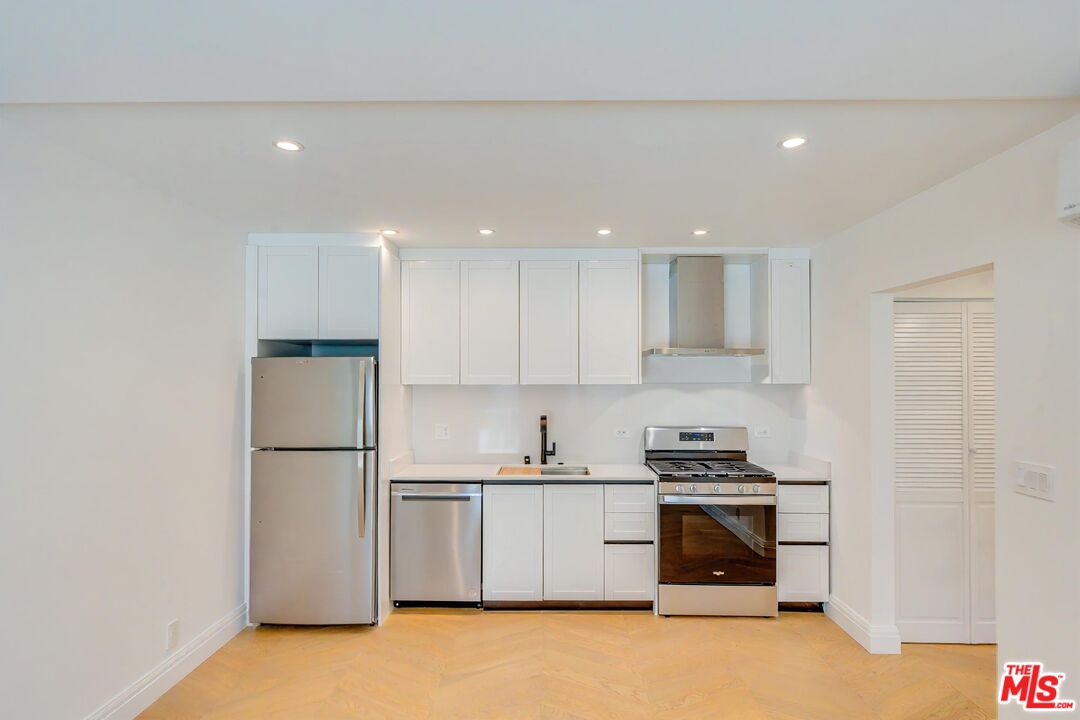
{"x": 1068, "y": 195}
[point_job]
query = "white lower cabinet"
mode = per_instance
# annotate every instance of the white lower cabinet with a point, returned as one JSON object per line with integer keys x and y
{"x": 547, "y": 542}
{"x": 513, "y": 542}
{"x": 629, "y": 527}
{"x": 802, "y": 527}
{"x": 573, "y": 542}
{"x": 628, "y": 572}
{"x": 809, "y": 499}
{"x": 802, "y": 573}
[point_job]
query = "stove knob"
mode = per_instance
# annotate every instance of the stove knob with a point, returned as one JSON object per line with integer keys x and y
{"x": 742, "y": 488}
{"x": 678, "y": 488}
{"x": 757, "y": 488}
{"x": 716, "y": 488}
{"x": 693, "y": 488}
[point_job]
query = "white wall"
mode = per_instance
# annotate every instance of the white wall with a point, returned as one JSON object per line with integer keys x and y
{"x": 395, "y": 401}
{"x": 501, "y": 423}
{"x": 120, "y": 429}
{"x": 978, "y": 284}
{"x": 999, "y": 212}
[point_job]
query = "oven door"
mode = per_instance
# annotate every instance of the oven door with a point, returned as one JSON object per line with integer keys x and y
{"x": 717, "y": 540}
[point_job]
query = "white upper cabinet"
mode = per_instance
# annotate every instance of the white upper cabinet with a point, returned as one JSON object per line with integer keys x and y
{"x": 288, "y": 293}
{"x": 311, "y": 292}
{"x": 489, "y": 322}
{"x": 789, "y": 312}
{"x": 430, "y": 322}
{"x": 348, "y": 293}
{"x": 549, "y": 322}
{"x": 609, "y": 348}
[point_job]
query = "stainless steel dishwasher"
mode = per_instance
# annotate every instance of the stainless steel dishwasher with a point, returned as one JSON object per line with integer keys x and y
{"x": 435, "y": 542}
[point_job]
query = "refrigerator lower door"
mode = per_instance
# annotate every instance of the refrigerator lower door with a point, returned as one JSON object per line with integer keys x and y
{"x": 313, "y": 537}
{"x": 313, "y": 402}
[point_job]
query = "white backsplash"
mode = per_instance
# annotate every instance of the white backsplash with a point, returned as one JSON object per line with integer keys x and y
{"x": 500, "y": 423}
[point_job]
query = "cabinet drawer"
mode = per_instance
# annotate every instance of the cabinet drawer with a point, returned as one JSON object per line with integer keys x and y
{"x": 628, "y": 572}
{"x": 632, "y": 527}
{"x": 803, "y": 499}
{"x": 803, "y": 527}
{"x": 629, "y": 499}
{"x": 802, "y": 573}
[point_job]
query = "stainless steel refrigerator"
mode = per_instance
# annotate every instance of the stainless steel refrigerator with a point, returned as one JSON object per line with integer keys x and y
{"x": 313, "y": 490}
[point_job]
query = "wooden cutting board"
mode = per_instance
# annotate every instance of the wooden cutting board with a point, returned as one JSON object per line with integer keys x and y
{"x": 519, "y": 470}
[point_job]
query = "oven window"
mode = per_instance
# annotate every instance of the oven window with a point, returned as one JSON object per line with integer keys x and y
{"x": 718, "y": 544}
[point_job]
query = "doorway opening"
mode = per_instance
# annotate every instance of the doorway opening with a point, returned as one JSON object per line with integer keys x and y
{"x": 943, "y": 459}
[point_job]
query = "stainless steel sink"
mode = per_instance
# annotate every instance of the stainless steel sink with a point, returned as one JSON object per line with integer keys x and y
{"x": 564, "y": 470}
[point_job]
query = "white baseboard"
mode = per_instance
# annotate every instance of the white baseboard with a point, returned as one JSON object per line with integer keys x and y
{"x": 138, "y": 696}
{"x": 877, "y": 639}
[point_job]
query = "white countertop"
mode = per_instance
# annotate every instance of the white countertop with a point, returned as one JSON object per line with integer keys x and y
{"x": 598, "y": 472}
{"x": 794, "y": 473}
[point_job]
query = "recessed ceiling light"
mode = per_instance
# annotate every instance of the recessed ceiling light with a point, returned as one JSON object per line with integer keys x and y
{"x": 792, "y": 142}
{"x": 288, "y": 145}
{"x": 701, "y": 232}
{"x": 487, "y": 231}
{"x": 388, "y": 232}
{"x": 603, "y": 231}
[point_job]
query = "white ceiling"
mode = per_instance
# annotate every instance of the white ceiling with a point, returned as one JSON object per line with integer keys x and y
{"x": 350, "y": 50}
{"x": 547, "y": 174}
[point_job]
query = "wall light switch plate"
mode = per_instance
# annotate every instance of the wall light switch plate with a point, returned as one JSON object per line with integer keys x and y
{"x": 172, "y": 635}
{"x": 762, "y": 432}
{"x": 622, "y": 433}
{"x": 1034, "y": 479}
{"x": 442, "y": 431}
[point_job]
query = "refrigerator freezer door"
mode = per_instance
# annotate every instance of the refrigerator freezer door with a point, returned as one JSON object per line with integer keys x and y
{"x": 312, "y": 537}
{"x": 305, "y": 402}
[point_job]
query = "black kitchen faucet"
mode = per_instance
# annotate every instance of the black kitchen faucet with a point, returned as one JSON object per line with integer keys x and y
{"x": 544, "y": 452}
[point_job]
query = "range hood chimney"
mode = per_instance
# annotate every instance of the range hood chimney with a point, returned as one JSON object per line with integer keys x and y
{"x": 696, "y": 321}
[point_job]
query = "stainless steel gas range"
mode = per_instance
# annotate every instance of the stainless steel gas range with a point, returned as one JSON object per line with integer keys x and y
{"x": 717, "y": 518}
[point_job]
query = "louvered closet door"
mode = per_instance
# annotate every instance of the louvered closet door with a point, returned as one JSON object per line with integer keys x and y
{"x": 944, "y": 524}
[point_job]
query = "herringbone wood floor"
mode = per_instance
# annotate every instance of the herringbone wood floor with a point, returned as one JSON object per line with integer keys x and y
{"x": 629, "y": 666}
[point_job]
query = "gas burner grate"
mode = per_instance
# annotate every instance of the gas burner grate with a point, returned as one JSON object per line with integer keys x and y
{"x": 708, "y": 468}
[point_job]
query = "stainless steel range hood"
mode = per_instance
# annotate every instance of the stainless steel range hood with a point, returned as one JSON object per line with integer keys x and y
{"x": 696, "y": 323}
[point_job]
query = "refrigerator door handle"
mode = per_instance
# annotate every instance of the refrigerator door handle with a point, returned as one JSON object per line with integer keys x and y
{"x": 366, "y": 420}
{"x": 363, "y": 469}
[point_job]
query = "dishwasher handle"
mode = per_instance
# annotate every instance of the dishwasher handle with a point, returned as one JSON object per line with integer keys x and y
{"x": 448, "y": 497}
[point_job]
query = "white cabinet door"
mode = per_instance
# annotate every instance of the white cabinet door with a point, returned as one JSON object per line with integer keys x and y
{"x": 628, "y": 572}
{"x": 430, "y": 322}
{"x": 513, "y": 542}
{"x": 573, "y": 542}
{"x": 288, "y": 293}
{"x": 608, "y": 291}
{"x": 789, "y": 312}
{"x": 549, "y": 322}
{"x": 802, "y": 573}
{"x": 489, "y": 322}
{"x": 348, "y": 293}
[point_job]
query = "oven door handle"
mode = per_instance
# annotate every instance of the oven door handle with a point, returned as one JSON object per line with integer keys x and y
{"x": 713, "y": 500}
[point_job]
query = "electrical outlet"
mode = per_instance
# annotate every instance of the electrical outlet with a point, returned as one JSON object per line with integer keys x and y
{"x": 1034, "y": 480}
{"x": 172, "y": 635}
{"x": 622, "y": 433}
{"x": 762, "y": 432}
{"x": 442, "y": 431}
